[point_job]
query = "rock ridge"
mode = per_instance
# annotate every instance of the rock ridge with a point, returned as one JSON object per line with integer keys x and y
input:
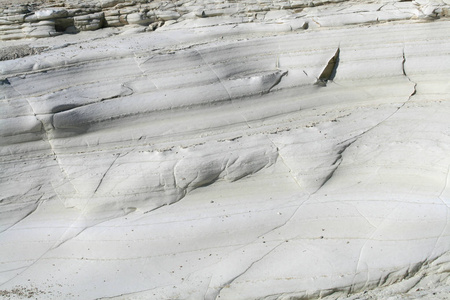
{"x": 241, "y": 150}
{"x": 39, "y": 20}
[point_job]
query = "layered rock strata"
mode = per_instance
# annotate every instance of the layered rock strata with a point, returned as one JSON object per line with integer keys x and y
{"x": 44, "y": 20}
{"x": 299, "y": 155}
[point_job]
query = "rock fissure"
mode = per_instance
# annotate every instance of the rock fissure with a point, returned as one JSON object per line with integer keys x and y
{"x": 392, "y": 114}
{"x": 363, "y": 248}
{"x": 337, "y": 162}
{"x": 444, "y": 228}
{"x": 35, "y": 206}
{"x": 224, "y": 87}
{"x": 106, "y": 172}
{"x": 288, "y": 190}
{"x": 285, "y": 73}
{"x": 447, "y": 180}
{"x": 229, "y": 282}
{"x": 409, "y": 79}
{"x": 329, "y": 72}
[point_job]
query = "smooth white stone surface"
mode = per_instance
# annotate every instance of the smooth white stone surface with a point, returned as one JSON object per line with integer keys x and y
{"x": 203, "y": 161}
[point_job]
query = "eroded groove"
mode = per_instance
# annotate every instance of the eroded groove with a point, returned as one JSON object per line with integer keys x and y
{"x": 278, "y": 81}
{"x": 337, "y": 162}
{"x": 197, "y": 227}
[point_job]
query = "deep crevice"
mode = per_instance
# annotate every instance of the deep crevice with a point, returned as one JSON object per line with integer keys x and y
{"x": 329, "y": 73}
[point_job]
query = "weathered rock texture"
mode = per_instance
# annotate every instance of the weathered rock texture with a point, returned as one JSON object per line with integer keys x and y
{"x": 242, "y": 150}
{"x": 37, "y": 21}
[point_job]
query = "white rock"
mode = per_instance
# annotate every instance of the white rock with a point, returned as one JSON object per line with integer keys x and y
{"x": 50, "y": 13}
{"x": 167, "y": 15}
{"x": 139, "y": 18}
{"x": 277, "y": 14}
{"x": 89, "y": 22}
{"x": 40, "y": 29}
{"x": 216, "y": 158}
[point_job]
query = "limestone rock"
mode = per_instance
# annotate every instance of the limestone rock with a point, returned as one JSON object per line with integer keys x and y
{"x": 89, "y": 22}
{"x": 241, "y": 150}
{"x": 40, "y": 29}
{"x": 296, "y": 14}
{"x": 167, "y": 15}
{"x": 50, "y": 13}
{"x": 140, "y": 19}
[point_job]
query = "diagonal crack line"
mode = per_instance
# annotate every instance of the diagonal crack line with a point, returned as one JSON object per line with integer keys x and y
{"x": 347, "y": 143}
{"x": 337, "y": 162}
{"x": 139, "y": 64}
{"x": 12, "y": 270}
{"x": 288, "y": 219}
{"x": 26, "y": 268}
{"x": 128, "y": 295}
{"x": 85, "y": 227}
{"x": 193, "y": 47}
{"x": 104, "y": 174}
{"x": 276, "y": 82}
{"x": 381, "y": 7}
{"x": 35, "y": 205}
{"x": 223, "y": 85}
{"x": 398, "y": 108}
{"x": 445, "y": 187}
{"x": 447, "y": 208}
{"x": 283, "y": 161}
{"x": 441, "y": 234}
{"x": 229, "y": 282}
{"x": 330, "y": 175}
{"x": 55, "y": 246}
{"x": 299, "y": 186}
{"x": 407, "y": 100}
{"x": 366, "y": 242}
{"x": 83, "y": 211}
{"x": 144, "y": 74}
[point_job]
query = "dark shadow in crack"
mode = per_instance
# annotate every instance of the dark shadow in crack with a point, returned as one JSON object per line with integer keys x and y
{"x": 329, "y": 73}
{"x": 335, "y": 66}
{"x": 62, "y": 107}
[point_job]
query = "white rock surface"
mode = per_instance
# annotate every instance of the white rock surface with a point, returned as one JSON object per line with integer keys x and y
{"x": 303, "y": 154}
{"x": 50, "y": 13}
